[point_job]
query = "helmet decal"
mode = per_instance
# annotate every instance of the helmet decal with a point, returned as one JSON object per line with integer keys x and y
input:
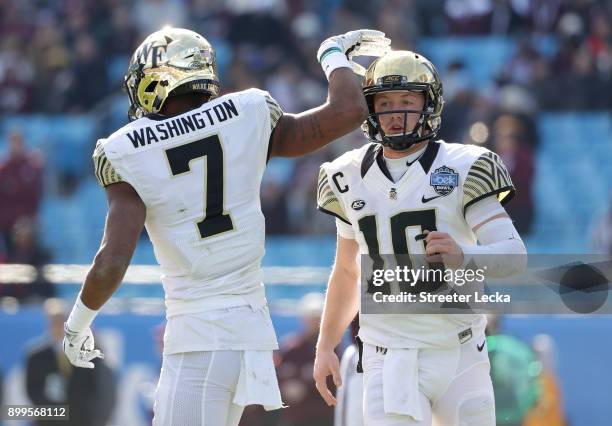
{"x": 169, "y": 62}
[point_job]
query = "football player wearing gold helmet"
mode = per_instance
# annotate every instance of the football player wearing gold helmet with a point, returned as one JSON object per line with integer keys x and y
{"x": 188, "y": 166}
{"x": 406, "y": 193}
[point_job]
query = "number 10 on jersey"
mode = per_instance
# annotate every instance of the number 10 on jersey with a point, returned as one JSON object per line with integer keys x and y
{"x": 215, "y": 220}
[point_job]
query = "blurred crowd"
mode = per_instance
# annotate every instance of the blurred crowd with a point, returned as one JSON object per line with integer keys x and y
{"x": 21, "y": 191}
{"x": 68, "y": 55}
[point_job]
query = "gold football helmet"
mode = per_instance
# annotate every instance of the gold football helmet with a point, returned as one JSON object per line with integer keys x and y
{"x": 169, "y": 62}
{"x": 403, "y": 70}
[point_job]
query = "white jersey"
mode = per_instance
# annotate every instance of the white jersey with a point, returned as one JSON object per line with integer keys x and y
{"x": 199, "y": 175}
{"x": 386, "y": 216}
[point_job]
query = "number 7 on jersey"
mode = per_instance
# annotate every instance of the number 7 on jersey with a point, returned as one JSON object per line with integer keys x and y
{"x": 215, "y": 221}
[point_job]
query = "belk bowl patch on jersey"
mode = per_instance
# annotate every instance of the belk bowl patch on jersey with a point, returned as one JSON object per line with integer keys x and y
{"x": 444, "y": 180}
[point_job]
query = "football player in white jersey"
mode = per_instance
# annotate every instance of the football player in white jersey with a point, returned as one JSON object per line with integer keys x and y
{"x": 188, "y": 166}
{"x": 406, "y": 193}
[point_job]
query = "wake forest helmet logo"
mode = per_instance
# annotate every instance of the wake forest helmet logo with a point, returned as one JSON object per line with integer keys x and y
{"x": 444, "y": 180}
{"x": 150, "y": 51}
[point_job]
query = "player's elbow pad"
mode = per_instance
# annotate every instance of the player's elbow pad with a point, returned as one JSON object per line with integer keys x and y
{"x": 501, "y": 252}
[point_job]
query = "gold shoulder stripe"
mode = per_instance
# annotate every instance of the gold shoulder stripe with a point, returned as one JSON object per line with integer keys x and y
{"x": 322, "y": 178}
{"x": 322, "y": 187}
{"x": 487, "y": 176}
{"x": 97, "y": 163}
{"x": 322, "y": 182}
{"x": 104, "y": 170}
{"x": 275, "y": 110}
{"x": 327, "y": 201}
{"x": 101, "y": 165}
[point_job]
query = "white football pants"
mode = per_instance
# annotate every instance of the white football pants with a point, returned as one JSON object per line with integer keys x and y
{"x": 454, "y": 388}
{"x": 197, "y": 389}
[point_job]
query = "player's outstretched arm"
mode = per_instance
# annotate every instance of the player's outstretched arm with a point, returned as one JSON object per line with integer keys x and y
{"x": 124, "y": 223}
{"x": 345, "y": 108}
{"x": 341, "y": 306}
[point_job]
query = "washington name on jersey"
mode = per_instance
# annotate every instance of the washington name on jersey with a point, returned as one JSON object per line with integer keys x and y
{"x": 199, "y": 175}
{"x": 190, "y": 122}
{"x": 387, "y": 217}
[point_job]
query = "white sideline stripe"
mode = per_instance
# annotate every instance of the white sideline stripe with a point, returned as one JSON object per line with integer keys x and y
{"x": 150, "y": 274}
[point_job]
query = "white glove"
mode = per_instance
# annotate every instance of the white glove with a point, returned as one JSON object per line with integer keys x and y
{"x": 337, "y": 51}
{"x": 79, "y": 348}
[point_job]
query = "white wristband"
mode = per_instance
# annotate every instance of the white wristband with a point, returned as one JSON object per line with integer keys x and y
{"x": 81, "y": 316}
{"x": 332, "y": 59}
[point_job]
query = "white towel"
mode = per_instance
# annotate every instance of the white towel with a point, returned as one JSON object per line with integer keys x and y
{"x": 257, "y": 383}
{"x": 401, "y": 383}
